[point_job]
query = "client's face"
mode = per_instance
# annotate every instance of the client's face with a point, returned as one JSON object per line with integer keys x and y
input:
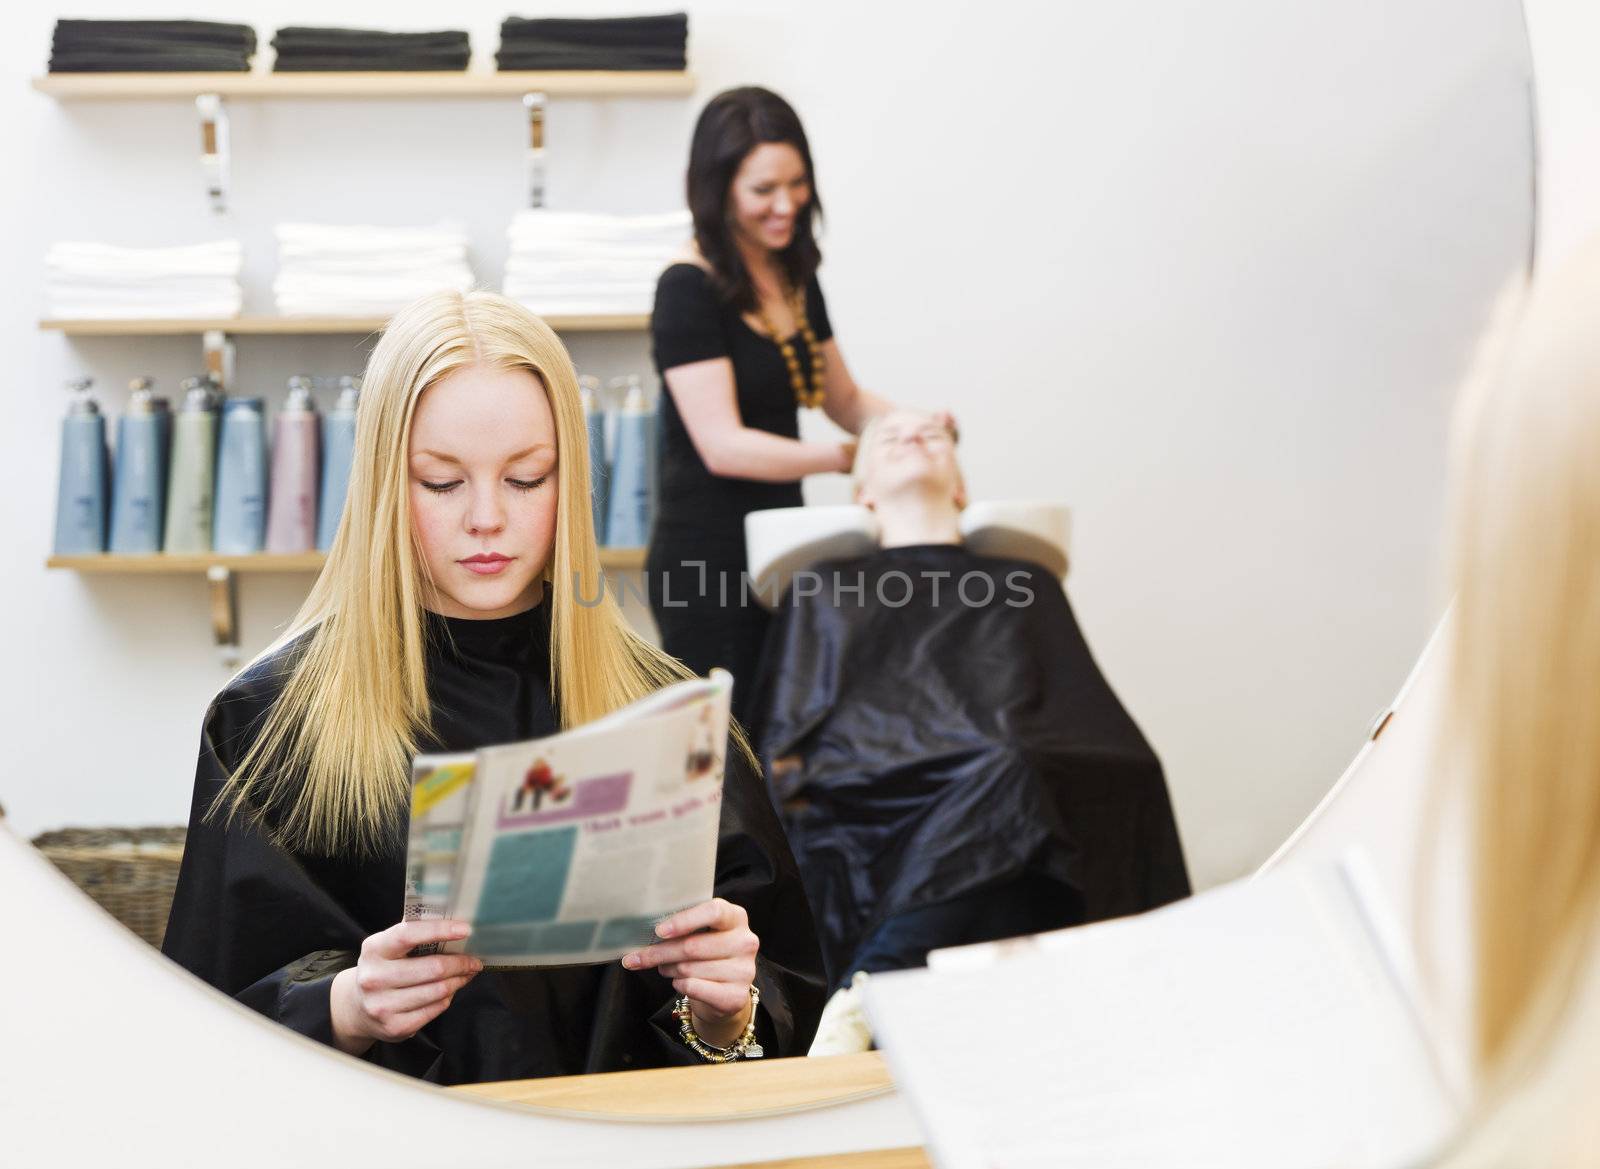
{"x": 909, "y": 451}
{"x": 483, "y": 489}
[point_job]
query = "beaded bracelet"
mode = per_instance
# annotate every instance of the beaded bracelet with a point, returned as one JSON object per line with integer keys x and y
{"x": 744, "y": 1047}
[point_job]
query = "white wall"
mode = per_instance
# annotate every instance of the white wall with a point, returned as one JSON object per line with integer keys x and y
{"x": 1565, "y": 36}
{"x": 1209, "y": 273}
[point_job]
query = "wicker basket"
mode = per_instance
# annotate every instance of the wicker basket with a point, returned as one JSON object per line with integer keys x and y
{"x": 129, "y": 872}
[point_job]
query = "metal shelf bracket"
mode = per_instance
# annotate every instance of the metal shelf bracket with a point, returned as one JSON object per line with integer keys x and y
{"x": 214, "y": 152}
{"x": 535, "y": 104}
{"x": 224, "y": 612}
{"x": 219, "y": 356}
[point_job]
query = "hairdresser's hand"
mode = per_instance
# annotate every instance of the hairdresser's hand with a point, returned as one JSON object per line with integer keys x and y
{"x": 710, "y": 955}
{"x": 389, "y": 997}
{"x": 948, "y": 420}
{"x": 847, "y": 457}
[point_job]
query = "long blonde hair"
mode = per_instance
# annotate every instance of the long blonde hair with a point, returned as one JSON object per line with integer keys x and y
{"x": 332, "y": 757}
{"x": 1523, "y": 722}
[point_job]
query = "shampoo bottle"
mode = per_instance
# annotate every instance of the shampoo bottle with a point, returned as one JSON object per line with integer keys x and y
{"x": 241, "y": 514}
{"x": 599, "y": 472}
{"x": 292, "y": 504}
{"x": 81, "y": 489}
{"x": 137, "y": 487}
{"x": 190, "y": 494}
{"x": 338, "y": 449}
{"x": 628, "y": 522}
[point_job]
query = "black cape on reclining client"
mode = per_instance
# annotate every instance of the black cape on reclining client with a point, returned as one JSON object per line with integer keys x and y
{"x": 272, "y": 929}
{"x": 954, "y": 734}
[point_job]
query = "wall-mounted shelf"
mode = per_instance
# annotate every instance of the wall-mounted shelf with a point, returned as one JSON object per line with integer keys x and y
{"x": 220, "y": 570}
{"x": 211, "y": 93}
{"x": 260, "y": 84}
{"x": 199, "y": 562}
{"x": 216, "y": 333}
{"x": 277, "y": 326}
{"x": 621, "y": 559}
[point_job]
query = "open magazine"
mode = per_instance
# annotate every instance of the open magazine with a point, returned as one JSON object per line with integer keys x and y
{"x": 570, "y": 849}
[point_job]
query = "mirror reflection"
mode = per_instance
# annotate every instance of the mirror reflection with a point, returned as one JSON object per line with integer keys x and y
{"x": 651, "y": 662}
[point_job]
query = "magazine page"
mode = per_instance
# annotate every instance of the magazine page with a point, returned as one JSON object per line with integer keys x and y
{"x": 440, "y": 790}
{"x": 674, "y": 697}
{"x": 570, "y": 849}
{"x": 440, "y": 801}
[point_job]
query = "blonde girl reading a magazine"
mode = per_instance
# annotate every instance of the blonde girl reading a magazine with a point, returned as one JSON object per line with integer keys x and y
{"x": 447, "y": 618}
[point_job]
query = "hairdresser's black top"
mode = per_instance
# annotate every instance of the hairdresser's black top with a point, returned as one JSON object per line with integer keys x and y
{"x": 272, "y": 928}
{"x": 691, "y": 324}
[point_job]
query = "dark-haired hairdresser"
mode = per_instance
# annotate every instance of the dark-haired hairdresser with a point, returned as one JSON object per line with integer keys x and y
{"x": 742, "y": 341}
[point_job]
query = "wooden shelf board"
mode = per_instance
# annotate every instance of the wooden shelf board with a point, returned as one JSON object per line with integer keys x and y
{"x": 198, "y": 562}
{"x": 262, "y": 84}
{"x": 620, "y": 559}
{"x": 267, "y": 325}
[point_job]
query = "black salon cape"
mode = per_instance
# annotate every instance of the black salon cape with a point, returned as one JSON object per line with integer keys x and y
{"x": 952, "y": 741}
{"x": 272, "y": 929}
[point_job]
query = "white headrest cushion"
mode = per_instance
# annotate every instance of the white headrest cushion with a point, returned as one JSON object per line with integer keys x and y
{"x": 787, "y": 540}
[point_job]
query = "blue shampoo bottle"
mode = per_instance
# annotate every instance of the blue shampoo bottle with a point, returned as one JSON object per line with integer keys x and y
{"x": 338, "y": 451}
{"x": 241, "y": 520}
{"x": 81, "y": 488}
{"x": 628, "y": 522}
{"x": 138, "y": 490}
{"x": 599, "y": 472}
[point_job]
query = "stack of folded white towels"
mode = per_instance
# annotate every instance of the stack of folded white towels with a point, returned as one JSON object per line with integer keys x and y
{"x": 91, "y": 281}
{"x": 326, "y": 270}
{"x": 572, "y": 262}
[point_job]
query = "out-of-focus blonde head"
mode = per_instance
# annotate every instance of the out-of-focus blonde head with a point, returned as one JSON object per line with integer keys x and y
{"x": 1523, "y": 727}
{"x": 333, "y": 756}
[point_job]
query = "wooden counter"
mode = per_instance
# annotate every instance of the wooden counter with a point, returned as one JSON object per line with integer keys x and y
{"x": 719, "y": 1092}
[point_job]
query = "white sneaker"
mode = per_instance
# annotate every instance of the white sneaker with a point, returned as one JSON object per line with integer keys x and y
{"x": 843, "y": 1029}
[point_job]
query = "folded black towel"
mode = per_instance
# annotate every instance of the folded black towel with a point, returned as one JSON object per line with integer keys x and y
{"x": 663, "y": 31}
{"x": 377, "y": 54}
{"x": 362, "y": 63}
{"x": 110, "y": 34}
{"x": 373, "y": 51}
{"x": 617, "y": 60}
{"x": 619, "y": 43}
{"x": 298, "y": 37}
{"x": 151, "y": 46}
{"x": 173, "y": 61}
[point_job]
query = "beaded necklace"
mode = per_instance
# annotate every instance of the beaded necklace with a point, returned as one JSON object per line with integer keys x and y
{"x": 809, "y": 397}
